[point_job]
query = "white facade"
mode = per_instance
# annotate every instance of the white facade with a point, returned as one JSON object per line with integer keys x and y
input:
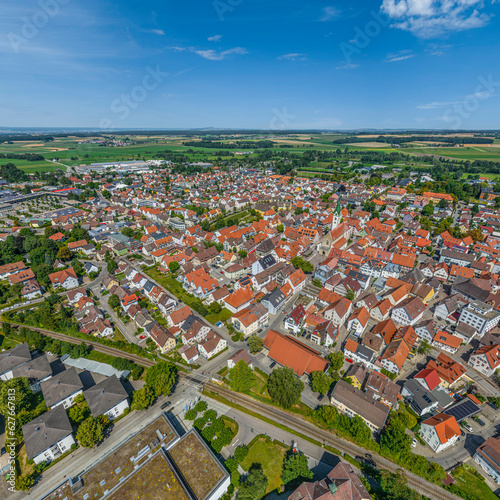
{"x": 69, "y": 283}
{"x": 117, "y": 410}
{"x": 68, "y": 402}
{"x": 483, "y": 319}
{"x": 55, "y": 450}
{"x": 489, "y": 469}
{"x": 399, "y": 315}
{"x": 430, "y": 436}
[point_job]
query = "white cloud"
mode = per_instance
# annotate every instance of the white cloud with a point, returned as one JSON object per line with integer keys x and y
{"x": 158, "y": 32}
{"x": 437, "y": 104}
{"x": 348, "y": 66}
{"x": 432, "y": 18}
{"x": 215, "y": 38}
{"x": 294, "y": 56}
{"x": 210, "y": 54}
{"x": 329, "y": 13}
{"x": 399, "y": 56}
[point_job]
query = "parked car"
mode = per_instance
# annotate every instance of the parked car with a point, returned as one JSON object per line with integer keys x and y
{"x": 468, "y": 427}
{"x": 480, "y": 422}
{"x": 219, "y": 323}
{"x": 165, "y": 405}
{"x": 142, "y": 337}
{"x": 492, "y": 405}
{"x": 413, "y": 443}
{"x": 320, "y": 397}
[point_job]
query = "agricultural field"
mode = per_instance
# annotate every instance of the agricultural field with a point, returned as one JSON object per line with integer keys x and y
{"x": 491, "y": 153}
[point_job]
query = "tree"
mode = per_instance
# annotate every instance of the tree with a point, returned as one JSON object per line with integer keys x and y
{"x": 173, "y": 266}
{"x": 285, "y": 387}
{"x": 215, "y": 308}
{"x": 295, "y": 466}
{"x": 442, "y": 203}
{"x": 6, "y": 329}
{"x": 106, "y": 194}
{"x": 90, "y": 432}
{"x": 428, "y": 210}
{"x": 114, "y": 301}
{"x": 425, "y": 348}
{"x": 350, "y": 295}
{"x": 255, "y": 344}
{"x": 336, "y": 360}
{"x": 15, "y": 393}
{"x": 231, "y": 464}
{"x": 474, "y": 210}
{"x": 161, "y": 378}
{"x": 143, "y": 398}
{"x": 240, "y": 453}
{"x": 255, "y": 485}
{"x": 241, "y": 376}
{"x": 280, "y": 228}
{"x": 300, "y": 263}
{"x": 127, "y": 231}
{"x": 80, "y": 410}
{"x": 242, "y": 253}
{"x": 320, "y": 382}
{"x": 64, "y": 253}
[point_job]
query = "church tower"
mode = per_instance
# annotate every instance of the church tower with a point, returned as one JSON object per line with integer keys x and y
{"x": 337, "y": 216}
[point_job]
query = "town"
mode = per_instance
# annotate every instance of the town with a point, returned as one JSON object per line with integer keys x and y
{"x": 220, "y": 329}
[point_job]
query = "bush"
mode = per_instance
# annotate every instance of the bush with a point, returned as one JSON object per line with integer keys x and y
{"x": 240, "y": 453}
{"x": 191, "y": 414}
{"x": 201, "y": 406}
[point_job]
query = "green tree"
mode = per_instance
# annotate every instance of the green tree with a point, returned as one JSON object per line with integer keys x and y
{"x": 215, "y": 308}
{"x": 231, "y": 464}
{"x": 240, "y": 453}
{"x": 242, "y": 253}
{"x": 161, "y": 378}
{"x": 320, "y": 382}
{"x": 143, "y": 398}
{"x": 113, "y": 301}
{"x": 64, "y": 253}
{"x": 285, "y": 387}
{"x": 254, "y": 486}
{"x": 442, "y": 203}
{"x": 127, "y": 231}
{"x": 350, "y": 295}
{"x": 80, "y": 410}
{"x": 106, "y": 194}
{"x": 280, "y": 228}
{"x": 428, "y": 210}
{"x": 425, "y": 348}
{"x": 336, "y": 360}
{"x": 295, "y": 466}
{"x": 173, "y": 266}
{"x": 255, "y": 344}
{"x": 241, "y": 376}
{"x": 90, "y": 432}
{"x": 15, "y": 393}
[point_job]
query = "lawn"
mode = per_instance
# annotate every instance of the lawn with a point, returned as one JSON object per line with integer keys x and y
{"x": 471, "y": 485}
{"x": 270, "y": 456}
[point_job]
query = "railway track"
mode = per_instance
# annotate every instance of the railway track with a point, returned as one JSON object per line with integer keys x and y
{"x": 95, "y": 345}
{"x": 417, "y": 483}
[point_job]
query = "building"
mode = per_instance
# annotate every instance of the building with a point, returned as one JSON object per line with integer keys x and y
{"x": 450, "y": 372}
{"x": 107, "y": 398}
{"x": 239, "y": 299}
{"x": 66, "y": 279}
{"x": 486, "y": 359}
{"x": 409, "y": 311}
{"x": 13, "y": 358}
{"x": 62, "y": 389}
{"x": 488, "y": 457}
{"x": 440, "y": 431}
{"x": 341, "y": 483}
{"x": 293, "y": 321}
{"x": 480, "y": 316}
{"x": 274, "y": 301}
{"x": 48, "y": 436}
{"x": 288, "y": 351}
{"x": 352, "y": 402}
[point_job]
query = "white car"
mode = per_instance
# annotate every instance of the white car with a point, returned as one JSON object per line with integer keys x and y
{"x": 413, "y": 443}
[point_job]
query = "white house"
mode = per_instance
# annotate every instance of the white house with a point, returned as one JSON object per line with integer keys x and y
{"x": 408, "y": 312}
{"x": 486, "y": 359}
{"x": 66, "y": 279}
{"x": 488, "y": 457}
{"x": 62, "y": 389}
{"x": 11, "y": 359}
{"x": 107, "y": 398}
{"x": 212, "y": 345}
{"x": 440, "y": 431}
{"x": 480, "y": 316}
{"x": 48, "y": 436}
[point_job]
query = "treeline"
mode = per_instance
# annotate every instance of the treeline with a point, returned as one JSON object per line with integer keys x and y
{"x": 227, "y": 145}
{"x": 10, "y": 173}
{"x": 22, "y": 156}
{"x": 403, "y": 140}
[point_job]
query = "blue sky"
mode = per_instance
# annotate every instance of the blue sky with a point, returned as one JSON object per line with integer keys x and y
{"x": 250, "y": 64}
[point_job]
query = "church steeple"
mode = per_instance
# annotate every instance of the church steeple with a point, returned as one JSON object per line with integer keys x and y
{"x": 337, "y": 216}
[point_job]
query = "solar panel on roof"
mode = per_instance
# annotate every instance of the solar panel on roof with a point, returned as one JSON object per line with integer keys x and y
{"x": 464, "y": 409}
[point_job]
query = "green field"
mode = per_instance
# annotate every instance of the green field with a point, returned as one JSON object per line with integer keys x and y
{"x": 465, "y": 153}
{"x": 471, "y": 485}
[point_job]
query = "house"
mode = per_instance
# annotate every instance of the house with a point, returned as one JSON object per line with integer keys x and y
{"x": 66, "y": 279}
{"x": 488, "y": 457}
{"x": 486, "y": 359}
{"x": 409, "y": 311}
{"x": 36, "y": 371}
{"x": 446, "y": 342}
{"x": 75, "y": 295}
{"x": 13, "y": 358}
{"x": 339, "y": 311}
{"x": 395, "y": 356}
{"x": 325, "y": 333}
{"x": 358, "y": 320}
{"x": 62, "y": 389}
{"x": 240, "y": 355}
{"x": 48, "y": 436}
{"x": 189, "y": 354}
{"x": 297, "y": 280}
{"x": 287, "y": 351}
{"x": 107, "y": 398}
{"x": 341, "y": 483}
{"x": 359, "y": 353}
{"x": 293, "y": 321}
{"x": 90, "y": 268}
{"x": 239, "y": 299}
{"x": 128, "y": 301}
{"x": 440, "y": 431}
{"x": 164, "y": 340}
{"x": 353, "y": 402}
{"x": 251, "y": 319}
{"x": 274, "y": 301}
{"x": 31, "y": 289}
{"x": 450, "y": 372}
{"x": 382, "y": 389}
{"x": 177, "y": 317}
{"x": 262, "y": 264}
{"x": 212, "y": 345}
{"x": 356, "y": 374}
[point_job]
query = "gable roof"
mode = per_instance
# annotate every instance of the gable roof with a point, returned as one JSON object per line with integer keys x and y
{"x": 445, "y": 425}
{"x": 105, "y": 395}
{"x": 14, "y": 357}
{"x": 61, "y": 386}
{"x": 46, "y": 430}
{"x": 287, "y": 351}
